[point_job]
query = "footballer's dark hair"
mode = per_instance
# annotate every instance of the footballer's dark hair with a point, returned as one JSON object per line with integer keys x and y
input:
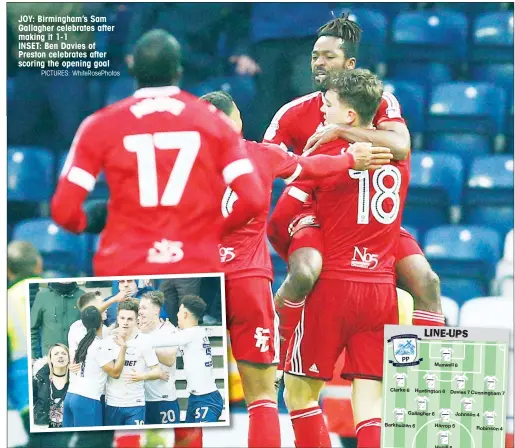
{"x": 359, "y": 89}
{"x": 130, "y": 305}
{"x": 221, "y": 100}
{"x": 157, "y": 298}
{"x": 195, "y": 305}
{"x": 92, "y": 320}
{"x": 345, "y": 29}
{"x": 157, "y": 59}
{"x": 86, "y": 298}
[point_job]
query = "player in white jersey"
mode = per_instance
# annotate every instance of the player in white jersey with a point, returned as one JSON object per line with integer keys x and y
{"x": 460, "y": 381}
{"x": 399, "y": 415}
{"x": 125, "y": 396}
{"x": 77, "y": 330}
{"x": 82, "y": 405}
{"x": 430, "y": 380}
{"x": 422, "y": 403}
{"x": 161, "y": 402}
{"x": 467, "y": 403}
{"x": 400, "y": 379}
{"x": 445, "y": 415}
{"x": 443, "y": 437}
{"x": 490, "y": 418}
{"x": 446, "y": 354}
{"x": 490, "y": 382}
{"x": 205, "y": 404}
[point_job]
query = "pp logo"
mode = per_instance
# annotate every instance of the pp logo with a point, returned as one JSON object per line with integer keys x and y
{"x": 226, "y": 253}
{"x": 262, "y": 336}
{"x": 405, "y": 350}
{"x": 364, "y": 260}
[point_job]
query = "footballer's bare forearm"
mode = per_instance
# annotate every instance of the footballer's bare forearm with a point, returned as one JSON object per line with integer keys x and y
{"x": 167, "y": 356}
{"x": 391, "y": 135}
{"x": 114, "y": 370}
{"x": 153, "y": 374}
{"x": 105, "y": 305}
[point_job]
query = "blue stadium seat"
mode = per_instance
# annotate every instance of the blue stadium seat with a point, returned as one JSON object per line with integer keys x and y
{"x": 489, "y": 193}
{"x": 436, "y": 184}
{"x": 438, "y": 36}
{"x": 372, "y": 48}
{"x": 471, "y": 9}
{"x": 467, "y": 107}
{"x": 462, "y": 289}
{"x": 61, "y": 250}
{"x": 119, "y": 89}
{"x": 493, "y": 38}
{"x": 463, "y": 253}
{"x": 388, "y": 9}
{"x": 101, "y": 190}
{"x": 466, "y": 146}
{"x": 426, "y": 73}
{"x": 30, "y": 174}
{"x": 412, "y": 99}
{"x": 499, "y": 74}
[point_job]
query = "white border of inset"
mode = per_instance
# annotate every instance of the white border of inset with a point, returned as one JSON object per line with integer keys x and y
{"x": 225, "y": 412}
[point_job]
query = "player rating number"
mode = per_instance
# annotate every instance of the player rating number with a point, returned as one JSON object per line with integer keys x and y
{"x": 145, "y": 146}
{"x": 382, "y": 193}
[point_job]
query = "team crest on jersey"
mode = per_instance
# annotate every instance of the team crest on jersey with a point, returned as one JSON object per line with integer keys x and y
{"x": 262, "y": 336}
{"x": 405, "y": 347}
{"x": 165, "y": 251}
{"x": 226, "y": 253}
{"x": 363, "y": 259}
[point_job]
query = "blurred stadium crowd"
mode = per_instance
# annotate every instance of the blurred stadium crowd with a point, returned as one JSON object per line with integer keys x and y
{"x": 449, "y": 64}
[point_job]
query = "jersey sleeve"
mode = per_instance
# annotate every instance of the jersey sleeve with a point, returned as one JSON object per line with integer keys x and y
{"x": 150, "y": 356}
{"x": 78, "y": 176}
{"x": 290, "y": 204}
{"x": 389, "y": 110}
{"x": 173, "y": 339}
{"x": 281, "y": 129}
{"x": 104, "y": 355}
{"x": 283, "y": 164}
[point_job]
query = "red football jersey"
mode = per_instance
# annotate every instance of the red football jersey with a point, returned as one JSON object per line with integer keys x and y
{"x": 167, "y": 159}
{"x": 360, "y": 213}
{"x": 244, "y": 252}
{"x": 298, "y": 120}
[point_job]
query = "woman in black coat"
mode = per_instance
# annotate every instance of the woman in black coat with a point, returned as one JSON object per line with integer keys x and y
{"x": 49, "y": 387}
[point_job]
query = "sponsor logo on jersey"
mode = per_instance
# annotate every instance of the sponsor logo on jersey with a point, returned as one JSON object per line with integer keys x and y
{"x": 226, "y": 253}
{"x": 262, "y": 336}
{"x": 363, "y": 259}
{"x": 165, "y": 251}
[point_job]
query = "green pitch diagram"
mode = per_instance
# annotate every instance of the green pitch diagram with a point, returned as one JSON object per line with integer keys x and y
{"x": 444, "y": 387}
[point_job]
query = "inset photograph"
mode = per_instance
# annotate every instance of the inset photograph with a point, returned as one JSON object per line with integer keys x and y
{"x": 122, "y": 352}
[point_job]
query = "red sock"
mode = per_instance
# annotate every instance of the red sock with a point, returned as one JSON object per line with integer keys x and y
{"x": 264, "y": 429}
{"x": 188, "y": 437}
{"x": 310, "y": 428}
{"x": 428, "y": 319}
{"x": 289, "y": 316}
{"x": 369, "y": 433}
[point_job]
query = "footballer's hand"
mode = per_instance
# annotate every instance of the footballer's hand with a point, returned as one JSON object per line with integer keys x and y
{"x": 132, "y": 377}
{"x": 165, "y": 376}
{"x": 121, "y": 296}
{"x": 74, "y": 368}
{"x": 325, "y": 135}
{"x": 146, "y": 326}
{"x": 119, "y": 339}
{"x": 368, "y": 157}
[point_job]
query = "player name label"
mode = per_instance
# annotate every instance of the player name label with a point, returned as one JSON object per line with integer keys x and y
{"x": 444, "y": 387}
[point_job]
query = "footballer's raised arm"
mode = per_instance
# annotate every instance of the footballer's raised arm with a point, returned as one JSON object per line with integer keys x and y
{"x": 241, "y": 176}
{"x": 78, "y": 177}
